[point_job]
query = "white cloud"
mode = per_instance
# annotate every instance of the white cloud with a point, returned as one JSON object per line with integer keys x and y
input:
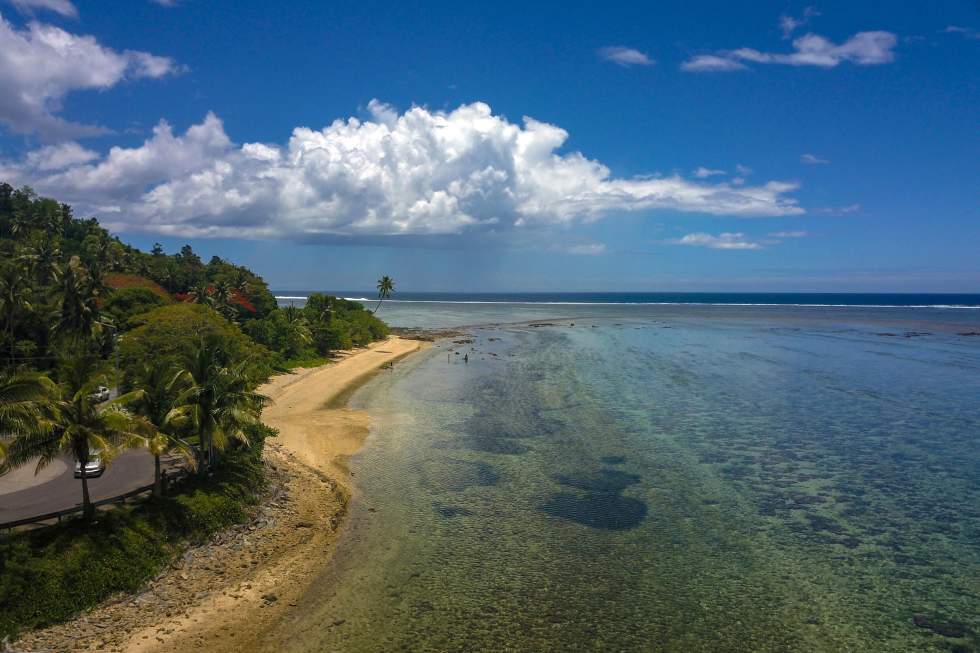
{"x": 587, "y": 249}
{"x": 788, "y": 24}
{"x": 863, "y": 49}
{"x": 165, "y": 3}
{"x": 707, "y": 63}
{"x": 41, "y": 64}
{"x": 966, "y": 32}
{"x": 743, "y": 170}
{"x": 702, "y": 172}
{"x": 813, "y": 159}
{"x": 837, "y": 210}
{"x": 789, "y": 234}
{"x": 57, "y": 157}
{"x": 721, "y": 241}
{"x": 63, "y": 7}
{"x": 421, "y": 172}
{"x": 625, "y": 56}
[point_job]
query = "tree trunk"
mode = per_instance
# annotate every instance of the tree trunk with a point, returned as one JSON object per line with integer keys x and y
{"x": 157, "y": 481}
{"x": 202, "y": 451}
{"x": 377, "y": 307}
{"x": 88, "y": 510}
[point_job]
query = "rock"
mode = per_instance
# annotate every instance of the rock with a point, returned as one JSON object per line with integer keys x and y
{"x": 944, "y": 628}
{"x": 270, "y": 598}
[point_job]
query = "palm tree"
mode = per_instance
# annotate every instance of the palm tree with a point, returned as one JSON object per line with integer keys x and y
{"x": 15, "y": 298}
{"x": 24, "y": 403}
{"x": 217, "y": 400}
{"x": 155, "y": 399}
{"x": 386, "y": 286}
{"x": 201, "y": 294}
{"x": 79, "y": 303}
{"x": 81, "y": 427}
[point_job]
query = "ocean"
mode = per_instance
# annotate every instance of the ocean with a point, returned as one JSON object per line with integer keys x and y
{"x": 664, "y": 473}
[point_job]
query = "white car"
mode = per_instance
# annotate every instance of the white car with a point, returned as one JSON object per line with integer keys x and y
{"x": 101, "y": 394}
{"x": 94, "y": 467}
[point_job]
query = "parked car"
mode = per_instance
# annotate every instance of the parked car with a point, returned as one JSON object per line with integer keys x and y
{"x": 94, "y": 467}
{"x": 101, "y": 394}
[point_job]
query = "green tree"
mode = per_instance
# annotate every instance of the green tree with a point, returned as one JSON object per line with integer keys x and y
{"x": 80, "y": 293}
{"x": 81, "y": 427}
{"x": 154, "y": 397}
{"x": 15, "y": 300}
{"x": 24, "y": 408}
{"x": 217, "y": 399}
{"x": 386, "y": 286}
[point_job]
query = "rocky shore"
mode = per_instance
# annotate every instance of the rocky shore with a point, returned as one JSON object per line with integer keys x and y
{"x": 256, "y": 571}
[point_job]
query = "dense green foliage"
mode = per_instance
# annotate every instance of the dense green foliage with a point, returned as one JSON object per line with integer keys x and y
{"x": 187, "y": 342}
{"x": 47, "y": 576}
{"x": 166, "y": 334}
{"x": 126, "y": 303}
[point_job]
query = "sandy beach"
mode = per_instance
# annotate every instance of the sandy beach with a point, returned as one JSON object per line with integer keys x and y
{"x": 222, "y": 596}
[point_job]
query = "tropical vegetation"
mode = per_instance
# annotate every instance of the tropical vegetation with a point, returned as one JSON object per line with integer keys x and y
{"x": 183, "y": 344}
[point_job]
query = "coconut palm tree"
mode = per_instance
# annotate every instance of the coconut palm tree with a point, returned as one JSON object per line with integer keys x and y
{"x": 15, "y": 299}
{"x": 81, "y": 427}
{"x": 80, "y": 293}
{"x": 386, "y": 286}
{"x": 217, "y": 400}
{"x": 157, "y": 387}
{"x": 24, "y": 408}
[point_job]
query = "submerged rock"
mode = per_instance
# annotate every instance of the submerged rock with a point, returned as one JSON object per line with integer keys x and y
{"x": 940, "y": 627}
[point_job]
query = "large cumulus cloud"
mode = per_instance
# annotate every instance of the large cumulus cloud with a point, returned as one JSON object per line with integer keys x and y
{"x": 420, "y": 172}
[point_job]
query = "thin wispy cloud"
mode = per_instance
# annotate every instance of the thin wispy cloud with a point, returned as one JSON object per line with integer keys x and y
{"x": 721, "y": 241}
{"x": 41, "y": 64}
{"x": 624, "y": 56}
{"x": 789, "y": 24}
{"x": 839, "y": 210}
{"x": 966, "y": 32}
{"x": 703, "y": 173}
{"x": 813, "y": 159}
{"x": 862, "y": 49}
{"x": 789, "y": 234}
{"x": 586, "y": 249}
{"x": 30, "y": 7}
{"x": 710, "y": 63}
{"x": 420, "y": 172}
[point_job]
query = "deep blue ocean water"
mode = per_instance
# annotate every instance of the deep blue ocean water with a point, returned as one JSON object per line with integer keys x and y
{"x": 665, "y": 477}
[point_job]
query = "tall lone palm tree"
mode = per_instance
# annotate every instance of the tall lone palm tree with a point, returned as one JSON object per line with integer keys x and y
{"x": 217, "y": 400}
{"x": 386, "y": 286}
{"x": 24, "y": 408}
{"x": 81, "y": 427}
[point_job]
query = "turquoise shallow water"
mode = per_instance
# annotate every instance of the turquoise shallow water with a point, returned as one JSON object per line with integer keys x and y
{"x": 664, "y": 478}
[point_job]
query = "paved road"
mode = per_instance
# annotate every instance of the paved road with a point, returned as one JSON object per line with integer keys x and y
{"x": 128, "y": 471}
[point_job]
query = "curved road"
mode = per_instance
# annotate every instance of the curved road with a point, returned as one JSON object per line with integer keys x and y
{"x": 128, "y": 471}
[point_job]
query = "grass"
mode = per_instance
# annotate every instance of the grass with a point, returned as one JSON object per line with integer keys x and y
{"x": 305, "y": 360}
{"x": 49, "y": 575}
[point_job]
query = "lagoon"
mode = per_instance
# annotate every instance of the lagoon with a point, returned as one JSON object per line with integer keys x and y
{"x": 664, "y": 477}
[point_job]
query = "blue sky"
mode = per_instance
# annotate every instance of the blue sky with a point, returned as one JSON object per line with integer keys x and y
{"x": 683, "y": 146}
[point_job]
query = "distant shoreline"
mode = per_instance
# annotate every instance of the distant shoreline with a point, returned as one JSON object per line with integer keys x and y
{"x": 969, "y": 301}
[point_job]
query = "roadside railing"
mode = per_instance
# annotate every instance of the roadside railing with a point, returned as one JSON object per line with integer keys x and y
{"x": 67, "y": 512}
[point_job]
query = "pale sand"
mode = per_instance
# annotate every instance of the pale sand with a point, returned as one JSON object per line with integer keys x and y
{"x": 310, "y": 412}
{"x": 226, "y": 595}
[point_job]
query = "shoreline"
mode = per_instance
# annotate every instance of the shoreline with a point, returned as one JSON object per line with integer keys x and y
{"x": 225, "y": 594}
